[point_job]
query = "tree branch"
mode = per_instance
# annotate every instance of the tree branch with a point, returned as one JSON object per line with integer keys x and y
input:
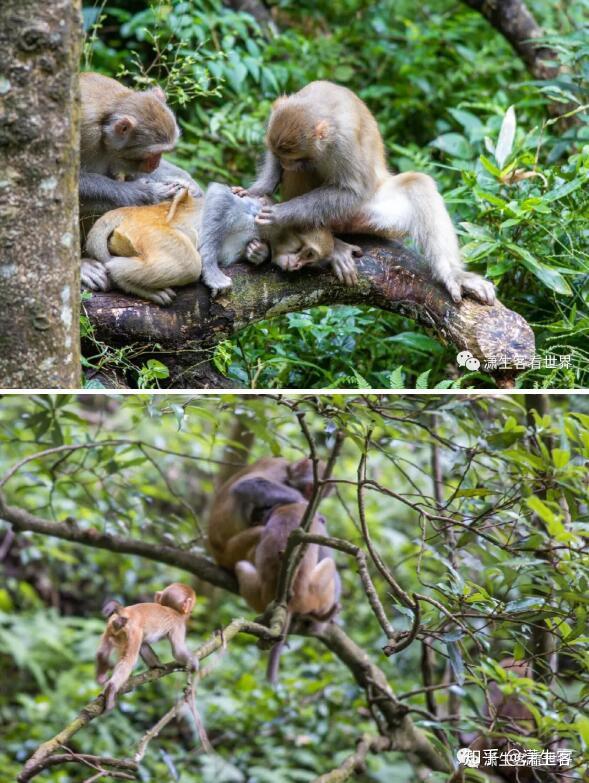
{"x": 194, "y": 324}
{"x": 515, "y": 22}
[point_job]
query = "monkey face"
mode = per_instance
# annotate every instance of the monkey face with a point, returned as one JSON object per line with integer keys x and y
{"x": 295, "y": 163}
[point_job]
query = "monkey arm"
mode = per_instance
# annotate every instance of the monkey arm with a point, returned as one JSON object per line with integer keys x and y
{"x": 124, "y": 666}
{"x": 239, "y": 546}
{"x": 315, "y": 209}
{"x": 268, "y": 177}
{"x": 99, "y": 193}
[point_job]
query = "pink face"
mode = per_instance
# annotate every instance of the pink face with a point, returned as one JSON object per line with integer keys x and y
{"x": 150, "y": 163}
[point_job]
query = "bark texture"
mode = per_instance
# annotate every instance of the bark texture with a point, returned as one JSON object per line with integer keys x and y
{"x": 39, "y": 248}
{"x": 188, "y": 329}
{"x": 515, "y": 22}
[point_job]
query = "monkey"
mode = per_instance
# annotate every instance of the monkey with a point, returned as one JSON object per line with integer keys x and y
{"x": 147, "y": 250}
{"x": 123, "y": 136}
{"x": 240, "y": 506}
{"x": 316, "y": 585}
{"x": 132, "y": 629}
{"x": 229, "y": 232}
{"x": 324, "y": 148}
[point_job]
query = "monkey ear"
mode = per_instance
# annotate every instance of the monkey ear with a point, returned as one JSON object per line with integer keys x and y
{"x": 124, "y": 126}
{"x": 187, "y": 606}
{"x": 321, "y": 130}
{"x": 158, "y": 93}
{"x": 158, "y": 596}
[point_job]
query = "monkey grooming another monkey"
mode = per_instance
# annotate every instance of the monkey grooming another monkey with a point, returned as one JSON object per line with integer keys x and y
{"x": 229, "y": 232}
{"x": 325, "y": 150}
{"x": 131, "y": 629}
{"x": 240, "y": 506}
{"x": 147, "y": 250}
{"x": 123, "y": 136}
{"x": 316, "y": 584}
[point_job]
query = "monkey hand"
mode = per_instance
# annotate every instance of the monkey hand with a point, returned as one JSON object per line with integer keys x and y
{"x": 343, "y": 262}
{"x": 463, "y": 282}
{"x": 239, "y": 191}
{"x": 268, "y": 215}
{"x": 93, "y": 275}
{"x": 191, "y": 186}
{"x": 153, "y": 192}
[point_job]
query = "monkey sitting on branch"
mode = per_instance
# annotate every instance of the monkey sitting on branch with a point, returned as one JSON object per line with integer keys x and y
{"x": 316, "y": 585}
{"x": 230, "y": 232}
{"x": 147, "y": 250}
{"x": 325, "y": 151}
{"x": 124, "y": 134}
{"x": 132, "y": 629}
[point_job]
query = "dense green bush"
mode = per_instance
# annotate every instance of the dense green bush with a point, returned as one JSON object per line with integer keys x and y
{"x": 440, "y": 81}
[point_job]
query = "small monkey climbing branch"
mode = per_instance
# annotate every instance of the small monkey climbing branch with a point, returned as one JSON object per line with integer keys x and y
{"x": 194, "y": 324}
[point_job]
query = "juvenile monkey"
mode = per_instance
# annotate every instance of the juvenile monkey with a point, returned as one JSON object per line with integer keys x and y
{"x": 123, "y": 136}
{"x": 147, "y": 250}
{"x": 325, "y": 150}
{"x": 316, "y": 585}
{"x": 131, "y": 629}
{"x": 229, "y": 232}
{"x": 241, "y": 505}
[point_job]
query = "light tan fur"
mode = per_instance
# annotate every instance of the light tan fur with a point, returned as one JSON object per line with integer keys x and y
{"x": 147, "y": 250}
{"x": 131, "y": 629}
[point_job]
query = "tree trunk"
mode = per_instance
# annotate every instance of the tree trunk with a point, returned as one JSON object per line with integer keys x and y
{"x": 188, "y": 329}
{"x": 39, "y": 246}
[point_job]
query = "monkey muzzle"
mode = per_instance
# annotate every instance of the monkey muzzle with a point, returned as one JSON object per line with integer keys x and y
{"x": 150, "y": 163}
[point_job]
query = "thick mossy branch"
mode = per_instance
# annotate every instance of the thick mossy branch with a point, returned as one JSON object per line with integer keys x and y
{"x": 194, "y": 323}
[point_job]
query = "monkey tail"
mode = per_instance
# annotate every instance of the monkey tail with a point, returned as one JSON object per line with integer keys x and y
{"x": 275, "y": 652}
{"x": 100, "y": 233}
{"x": 180, "y": 196}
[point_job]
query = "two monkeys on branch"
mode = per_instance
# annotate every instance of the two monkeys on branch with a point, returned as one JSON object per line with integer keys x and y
{"x": 251, "y": 518}
{"x": 323, "y": 150}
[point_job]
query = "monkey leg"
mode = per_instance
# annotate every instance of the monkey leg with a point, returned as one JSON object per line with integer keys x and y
{"x": 128, "y": 273}
{"x": 180, "y": 651}
{"x": 250, "y": 586}
{"x": 343, "y": 262}
{"x": 148, "y": 656}
{"x": 123, "y": 668}
{"x": 239, "y": 546}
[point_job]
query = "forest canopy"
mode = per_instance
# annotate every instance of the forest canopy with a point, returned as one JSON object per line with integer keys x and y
{"x": 459, "y": 526}
{"x": 502, "y": 131}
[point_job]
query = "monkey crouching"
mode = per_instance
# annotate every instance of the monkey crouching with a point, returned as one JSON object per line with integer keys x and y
{"x": 131, "y": 630}
{"x": 147, "y": 250}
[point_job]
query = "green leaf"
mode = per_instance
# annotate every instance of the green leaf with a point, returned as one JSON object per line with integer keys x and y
{"x": 454, "y": 144}
{"x": 422, "y": 380}
{"x": 550, "y": 277}
{"x": 396, "y": 379}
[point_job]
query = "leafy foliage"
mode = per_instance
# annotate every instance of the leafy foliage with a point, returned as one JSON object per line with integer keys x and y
{"x": 509, "y": 560}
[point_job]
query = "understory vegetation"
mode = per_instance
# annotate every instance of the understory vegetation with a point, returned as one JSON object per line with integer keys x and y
{"x": 441, "y": 82}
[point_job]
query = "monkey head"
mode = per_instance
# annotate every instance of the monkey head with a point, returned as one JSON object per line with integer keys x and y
{"x": 177, "y": 596}
{"x": 293, "y": 251}
{"x": 295, "y": 136}
{"x": 300, "y": 476}
{"x": 138, "y": 131}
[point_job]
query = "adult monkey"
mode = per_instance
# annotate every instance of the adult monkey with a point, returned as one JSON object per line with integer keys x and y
{"x": 325, "y": 149}
{"x": 124, "y": 134}
{"x": 241, "y": 505}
